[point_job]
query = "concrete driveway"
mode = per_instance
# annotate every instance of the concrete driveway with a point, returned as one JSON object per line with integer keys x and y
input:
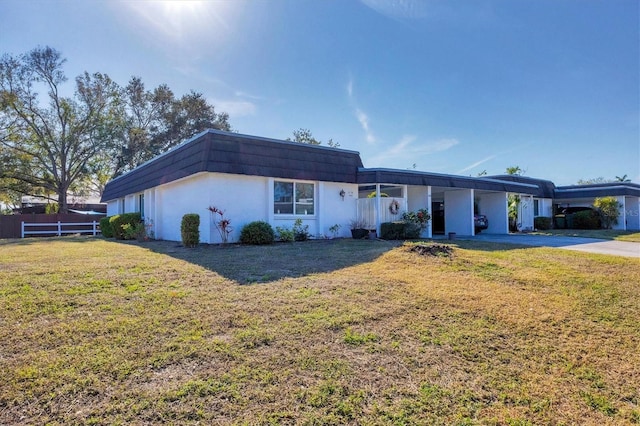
{"x": 591, "y": 245}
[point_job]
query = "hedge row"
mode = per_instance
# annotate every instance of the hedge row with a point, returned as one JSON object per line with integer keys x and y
{"x": 399, "y": 230}
{"x": 114, "y": 226}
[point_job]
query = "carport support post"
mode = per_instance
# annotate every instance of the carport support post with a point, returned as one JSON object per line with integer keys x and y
{"x": 430, "y": 211}
{"x": 378, "y": 209}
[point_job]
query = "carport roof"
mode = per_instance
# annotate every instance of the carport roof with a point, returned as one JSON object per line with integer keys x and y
{"x": 546, "y": 188}
{"x": 412, "y": 177}
{"x": 612, "y": 189}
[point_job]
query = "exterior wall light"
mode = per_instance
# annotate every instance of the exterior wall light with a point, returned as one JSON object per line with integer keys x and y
{"x": 342, "y": 193}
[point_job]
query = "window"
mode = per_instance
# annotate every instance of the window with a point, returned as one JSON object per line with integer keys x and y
{"x": 536, "y": 207}
{"x": 121, "y": 207}
{"x": 293, "y": 198}
{"x": 141, "y": 205}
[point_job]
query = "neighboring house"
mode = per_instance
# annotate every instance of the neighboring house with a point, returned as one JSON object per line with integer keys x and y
{"x": 627, "y": 194}
{"x": 78, "y": 204}
{"x": 254, "y": 178}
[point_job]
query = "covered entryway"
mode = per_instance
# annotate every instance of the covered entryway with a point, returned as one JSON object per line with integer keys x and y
{"x": 451, "y": 200}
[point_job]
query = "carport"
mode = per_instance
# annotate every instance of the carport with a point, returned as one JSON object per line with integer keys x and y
{"x": 451, "y": 200}
{"x": 626, "y": 193}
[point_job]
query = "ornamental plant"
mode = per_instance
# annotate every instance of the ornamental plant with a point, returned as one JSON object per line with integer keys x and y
{"x": 420, "y": 218}
{"x": 223, "y": 225}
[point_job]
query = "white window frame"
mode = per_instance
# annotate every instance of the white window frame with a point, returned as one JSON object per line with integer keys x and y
{"x": 294, "y": 214}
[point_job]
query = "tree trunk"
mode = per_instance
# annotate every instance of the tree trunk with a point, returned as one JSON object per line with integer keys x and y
{"x": 62, "y": 200}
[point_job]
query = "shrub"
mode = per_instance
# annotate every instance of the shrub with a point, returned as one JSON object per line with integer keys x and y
{"x": 542, "y": 222}
{"x": 399, "y": 230}
{"x": 105, "y": 227}
{"x": 300, "y": 232}
{"x": 420, "y": 218}
{"x": 51, "y": 208}
{"x": 586, "y": 219}
{"x": 190, "y": 229}
{"x": 285, "y": 234}
{"x": 609, "y": 209}
{"x": 258, "y": 233}
{"x": 118, "y": 221}
{"x": 135, "y": 232}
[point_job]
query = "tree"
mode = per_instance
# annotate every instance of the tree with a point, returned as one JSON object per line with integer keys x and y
{"x": 304, "y": 136}
{"x": 49, "y": 144}
{"x": 593, "y": 181}
{"x": 622, "y": 178}
{"x": 609, "y": 209}
{"x": 156, "y": 121}
{"x": 515, "y": 171}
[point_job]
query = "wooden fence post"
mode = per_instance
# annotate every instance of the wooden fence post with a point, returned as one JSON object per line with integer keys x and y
{"x": 21, "y": 229}
{"x": 59, "y": 229}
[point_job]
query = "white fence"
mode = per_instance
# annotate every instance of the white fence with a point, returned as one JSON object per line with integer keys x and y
{"x": 367, "y": 210}
{"x": 61, "y": 228}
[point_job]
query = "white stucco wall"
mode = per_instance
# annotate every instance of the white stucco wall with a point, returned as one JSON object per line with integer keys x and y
{"x": 419, "y": 197}
{"x": 622, "y": 218}
{"x": 244, "y": 199}
{"x": 545, "y": 207}
{"x": 494, "y": 205}
{"x": 334, "y": 210}
{"x": 458, "y": 211}
{"x": 112, "y": 207}
{"x": 632, "y": 213}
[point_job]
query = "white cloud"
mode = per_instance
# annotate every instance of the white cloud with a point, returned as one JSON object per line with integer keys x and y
{"x": 361, "y": 116}
{"x": 476, "y": 164}
{"x": 235, "y": 108}
{"x": 398, "y": 9}
{"x": 363, "y": 119}
{"x": 406, "y": 151}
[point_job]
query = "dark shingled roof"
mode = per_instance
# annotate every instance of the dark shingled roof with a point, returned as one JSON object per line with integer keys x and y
{"x": 611, "y": 189}
{"x": 412, "y": 177}
{"x": 224, "y": 152}
{"x": 546, "y": 188}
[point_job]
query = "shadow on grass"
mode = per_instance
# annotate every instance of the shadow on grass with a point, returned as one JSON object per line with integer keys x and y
{"x": 263, "y": 264}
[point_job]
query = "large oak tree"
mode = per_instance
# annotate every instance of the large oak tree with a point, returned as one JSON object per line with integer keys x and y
{"x": 48, "y": 139}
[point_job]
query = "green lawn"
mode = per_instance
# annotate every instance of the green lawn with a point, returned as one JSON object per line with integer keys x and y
{"x": 319, "y": 332}
{"x": 606, "y": 234}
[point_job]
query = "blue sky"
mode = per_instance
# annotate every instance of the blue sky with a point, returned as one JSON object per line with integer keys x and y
{"x": 451, "y": 86}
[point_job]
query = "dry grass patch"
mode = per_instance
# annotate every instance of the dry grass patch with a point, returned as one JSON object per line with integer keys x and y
{"x": 334, "y": 332}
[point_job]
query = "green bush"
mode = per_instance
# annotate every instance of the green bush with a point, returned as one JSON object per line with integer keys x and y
{"x": 257, "y": 233}
{"x": 609, "y": 210}
{"x": 542, "y": 223}
{"x": 190, "y": 230}
{"x": 399, "y": 231}
{"x": 105, "y": 227}
{"x": 285, "y": 234}
{"x": 118, "y": 221}
{"x": 586, "y": 219}
{"x": 300, "y": 231}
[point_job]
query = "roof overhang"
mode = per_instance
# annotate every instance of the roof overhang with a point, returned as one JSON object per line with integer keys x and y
{"x": 412, "y": 177}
